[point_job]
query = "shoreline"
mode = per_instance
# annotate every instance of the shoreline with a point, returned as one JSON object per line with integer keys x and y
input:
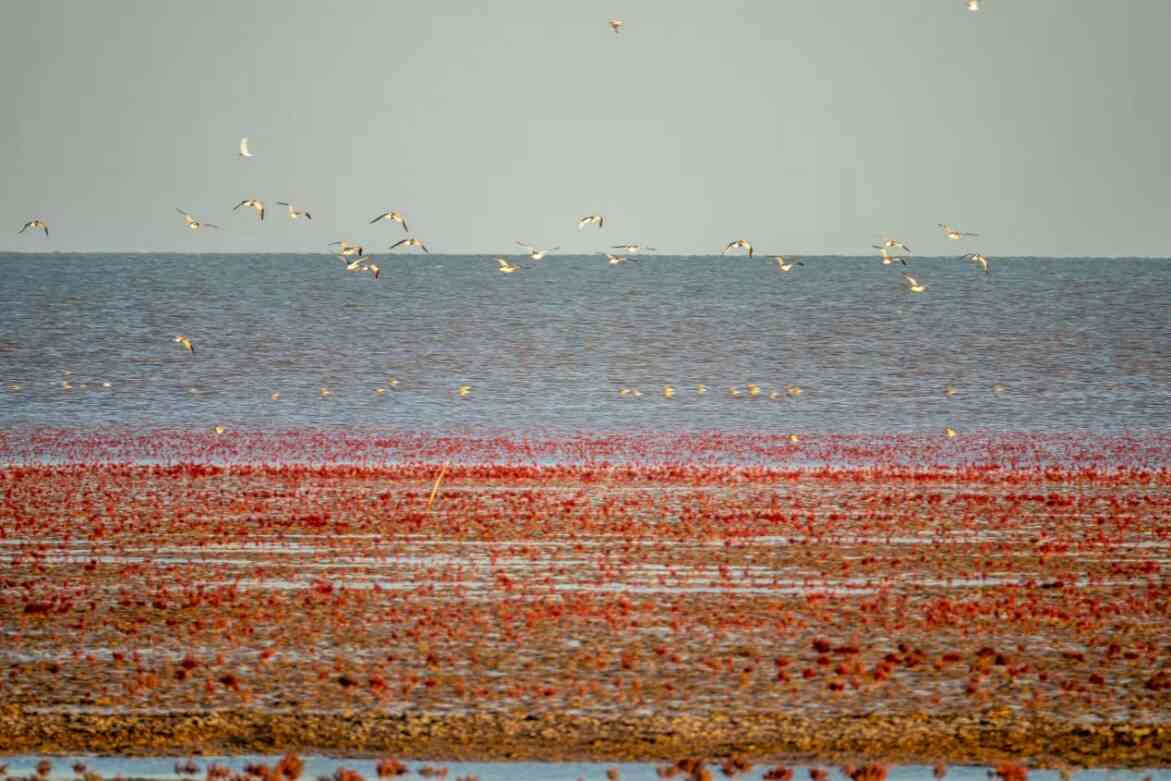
{"x": 913, "y": 738}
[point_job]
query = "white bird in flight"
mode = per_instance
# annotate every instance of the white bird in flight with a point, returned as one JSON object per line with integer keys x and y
{"x": 393, "y": 217}
{"x": 295, "y": 214}
{"x": 506, "y": 267}
{"x": 591, "y": 219}
{"x": 616, "y": 25}
{"x": 979, "y": 260}
{"x": 36, "y": 224}
{"x": 783, "y": 266}
{"x": 893, "y": 244}
{"x": 193, "y": 223}
{"x": 411, "y": 243}
{"x": 187, "y": 345}
{"x": 615, "y": 259}
{"x": 632, "y": 249}
{"x": 737, "y": 244}
{"x": 252, "y": 203}
{"x": 537, "y": 254}
{"x": 887, "y": 258}
{"x": 953, "y": 234}
{"x": 346, "y": 248}
{"x": 244, "y": 147}
{"x": 973, "y": 5}
{"x": 914, "y": 285}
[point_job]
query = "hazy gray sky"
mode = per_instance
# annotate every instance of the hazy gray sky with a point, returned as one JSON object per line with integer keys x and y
{"x": 805, "y": 126}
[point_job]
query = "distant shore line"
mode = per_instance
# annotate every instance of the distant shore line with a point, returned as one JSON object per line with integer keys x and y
{"x": 973, "y": 738}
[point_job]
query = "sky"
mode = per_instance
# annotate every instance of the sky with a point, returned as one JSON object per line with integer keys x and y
{"x": 804, "y": 126}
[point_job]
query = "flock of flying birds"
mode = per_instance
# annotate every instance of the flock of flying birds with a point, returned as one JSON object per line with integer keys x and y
{"x": 357, "y": 259}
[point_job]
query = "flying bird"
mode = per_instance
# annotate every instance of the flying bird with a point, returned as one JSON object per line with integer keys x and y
{"x": 887, "y": 258}
{"x": 615, "y": 259}
{"x": 506, "y": 267}
{"x": 347, "y": 249}
{"x": 464, "y": 390}
{"x": 193, "y": 223}
{"x": 914, "y": 285}
{"x": 616, "y": 25}
{"x": 537, "y": 254}
{"x": 786, "y": 266}
{"x": 590, "y": 220}
{"x": 973, "y": 5}
{"x": 632, "y": 249}
{"x": 701, "y": 389}
{"x": 252, "y": 203}
{"x": 244, "y": 147}
{"x": 793, "y": 390}
{"x": 950, "y": 432}
{"x": 392, "y": 217}
{"x": 411, "y": 243}
{"x": 979, "y": 260}
{"x": 953, "y": 234}
{"x": 893, "y": 244}
{"x": 949, "y": 391}
{"x": 738, "y": 244}
{"x": 187, "y": 345}
{"x": 295, "y": 214}
{"x": 36, "y": 224}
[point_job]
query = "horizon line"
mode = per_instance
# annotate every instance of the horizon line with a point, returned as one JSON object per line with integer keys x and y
{"x": 758, "y": 256}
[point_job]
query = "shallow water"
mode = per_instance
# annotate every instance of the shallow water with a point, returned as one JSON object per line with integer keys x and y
{"x": 163, "y": 768}
{"x": 1080, "y": 344}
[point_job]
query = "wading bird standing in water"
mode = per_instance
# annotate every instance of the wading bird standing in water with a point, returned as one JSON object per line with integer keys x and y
{"x": 36, "y": 224}
{"x": 391, "y": 217}
{"x": 737, "y": 244}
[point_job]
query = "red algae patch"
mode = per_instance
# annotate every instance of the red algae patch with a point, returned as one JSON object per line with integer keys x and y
{"x": 590, "y": 610}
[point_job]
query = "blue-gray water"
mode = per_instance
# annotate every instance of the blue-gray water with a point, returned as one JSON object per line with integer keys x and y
{"x": 316, "y": 766}
{"x": 1079, "y": 344}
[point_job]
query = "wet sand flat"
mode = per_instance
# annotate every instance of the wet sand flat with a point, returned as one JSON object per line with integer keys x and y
{"x": 962, "y": 613}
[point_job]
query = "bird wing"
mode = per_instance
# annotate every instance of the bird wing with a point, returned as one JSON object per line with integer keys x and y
{"x": 208, "y": 225}
{"x": 22, "y": 230}
{"x": 397, "y": 243}
{"x": 382, "y": 216}
{"x": 423, "y": 247}
{"x": 529, "y": 247}
{"x": 237, "y": 206}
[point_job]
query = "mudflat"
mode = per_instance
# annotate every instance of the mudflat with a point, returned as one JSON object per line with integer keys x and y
{"x": 600, "y": 611}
